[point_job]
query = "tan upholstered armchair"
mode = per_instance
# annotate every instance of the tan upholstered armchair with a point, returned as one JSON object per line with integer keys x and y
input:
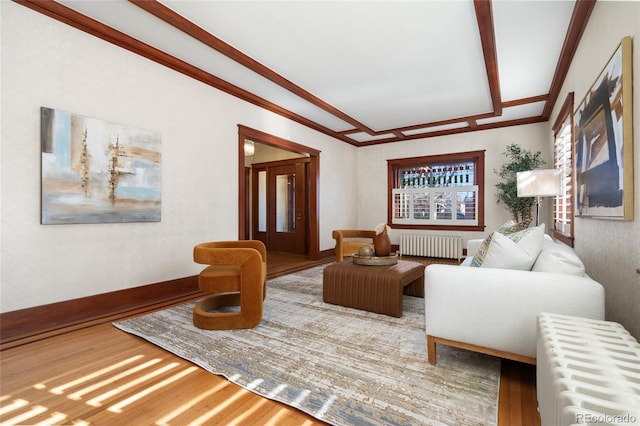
{"x": 236, "y": 277}
{"x": 349, "y": 241}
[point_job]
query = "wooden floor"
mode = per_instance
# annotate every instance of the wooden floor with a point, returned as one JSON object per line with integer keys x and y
{"x": 101, "y": 375}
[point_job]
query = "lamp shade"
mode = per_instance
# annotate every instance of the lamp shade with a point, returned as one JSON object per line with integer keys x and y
{"x": 539, "y": 183}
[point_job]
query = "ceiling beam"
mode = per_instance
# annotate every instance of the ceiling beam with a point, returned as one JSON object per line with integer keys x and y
{"x": 524, "y": 101}
{"x": 471, "y": 120}
{"x": 579, "y": 18}
{"x": 172, "y": 18}
{"x": 472, "y": 127}
{"x": 84, "y": 23}
{"x": 484, "y": 16}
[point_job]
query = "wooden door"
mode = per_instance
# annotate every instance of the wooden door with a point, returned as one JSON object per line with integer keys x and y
{"x": 280, "y": 207}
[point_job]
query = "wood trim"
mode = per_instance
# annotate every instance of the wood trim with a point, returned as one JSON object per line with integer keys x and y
{"x": 46, "y": 319}
{"x": 431, "y": 350}
{"x": 579, "y": 18}
{"x": 469, "y": 228}
{"x": 484, "y": 16}
{"x": 524, "y": 101}
{"x": 276, "y": 141}
{"x": 79, "y": 21}
{"x": 314, "y": 208}
{"x": 278, "y": 163}
{"x": 488, "y": 126}
{"x": 564, "y": 238}
{"x": 472, "y": 125}
{"x": 172, "y": 18}
{"x": 453, "y": 157}
{"x": 465, "y": 119}
{"x": 245, "y": 132}
{"x": 328, "y": 253}
{"x": 565, "y": 111}
{"x": 84, "y": 23}
{"x": 479, "y": 159}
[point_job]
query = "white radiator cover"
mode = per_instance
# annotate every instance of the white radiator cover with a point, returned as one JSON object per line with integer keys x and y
{"x": 588, "y": 372}
{"x": 443, "y": 246}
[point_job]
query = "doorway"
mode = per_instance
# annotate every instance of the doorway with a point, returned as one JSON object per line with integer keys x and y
{"x": 279, "y": 205}
{"x": 291, "y": 218}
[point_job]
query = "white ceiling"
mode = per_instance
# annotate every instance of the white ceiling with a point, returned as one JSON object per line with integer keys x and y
{"x": 373, "y": 70}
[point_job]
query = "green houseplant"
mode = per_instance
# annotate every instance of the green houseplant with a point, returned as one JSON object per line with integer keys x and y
{"x": 519, "y": 160}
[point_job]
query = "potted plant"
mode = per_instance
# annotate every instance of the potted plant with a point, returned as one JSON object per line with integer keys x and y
{"x": 520, "y": 160}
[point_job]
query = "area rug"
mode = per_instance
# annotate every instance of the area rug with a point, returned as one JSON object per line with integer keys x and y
{"x": 343, "y": 366}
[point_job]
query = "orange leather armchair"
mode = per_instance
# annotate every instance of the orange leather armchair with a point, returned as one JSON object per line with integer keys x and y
{"x": 349, "y": 241}
{"x": 236, "y": 277}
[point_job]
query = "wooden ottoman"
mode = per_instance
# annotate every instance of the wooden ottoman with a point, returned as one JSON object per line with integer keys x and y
{"x": 372, "y": 288}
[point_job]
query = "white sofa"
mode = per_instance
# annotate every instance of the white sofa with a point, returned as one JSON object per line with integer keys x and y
{"x": 494, "y": 310}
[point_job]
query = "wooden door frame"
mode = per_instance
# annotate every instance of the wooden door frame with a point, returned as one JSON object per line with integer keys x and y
{"x": 245, "y": 132}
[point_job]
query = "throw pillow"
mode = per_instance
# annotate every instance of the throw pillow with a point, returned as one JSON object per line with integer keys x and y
{"x": 479, "y": 256}
{"x": 515, "y": 251}
{"x": 512, "y": 227}
{"x": 559, "y": 259}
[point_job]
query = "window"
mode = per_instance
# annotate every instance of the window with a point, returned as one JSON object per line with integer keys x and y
{"x": 437, "y": 192}
{"x": 563, "y": 160}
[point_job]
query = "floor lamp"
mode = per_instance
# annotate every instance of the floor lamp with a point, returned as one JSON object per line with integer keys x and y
{"x": 539, "y": 183}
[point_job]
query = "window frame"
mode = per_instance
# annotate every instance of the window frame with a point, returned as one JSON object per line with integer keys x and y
{"x": 568, "y": 178}
{"x": 393, "y": 182}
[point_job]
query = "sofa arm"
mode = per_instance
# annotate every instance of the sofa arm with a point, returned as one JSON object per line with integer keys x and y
{"x": 497, "y": 308}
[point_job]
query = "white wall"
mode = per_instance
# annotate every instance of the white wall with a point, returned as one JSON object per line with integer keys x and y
{"x": 372, "y": 169}
{"x": 47, "y": 63}
{"x": 610, "y": 249}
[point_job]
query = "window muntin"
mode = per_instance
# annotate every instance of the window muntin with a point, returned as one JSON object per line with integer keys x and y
{"x": 439, "y": 192}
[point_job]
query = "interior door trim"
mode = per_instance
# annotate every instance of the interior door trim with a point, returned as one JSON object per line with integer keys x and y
{"x": 245, "y": 132}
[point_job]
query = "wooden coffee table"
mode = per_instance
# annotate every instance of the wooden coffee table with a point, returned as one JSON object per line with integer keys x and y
{"x": 376, "y": 289}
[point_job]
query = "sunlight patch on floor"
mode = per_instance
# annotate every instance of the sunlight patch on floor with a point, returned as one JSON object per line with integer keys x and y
{"x": 239, "y": 420}
{"x": 97, "y": 401}
{"x": 21, "y": 419}
{"x": 203, "y": 419}
{"x": 54, "y": 418}
{"x": 58, "y": 390}
{"x": 117, "y": 408}
{"x": 84, "y": 391}
{"x": 165, "y": 421}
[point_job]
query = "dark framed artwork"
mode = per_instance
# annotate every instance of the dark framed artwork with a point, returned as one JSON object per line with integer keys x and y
{"x": 604, "y": 142}
{"x": 94, "y": 171}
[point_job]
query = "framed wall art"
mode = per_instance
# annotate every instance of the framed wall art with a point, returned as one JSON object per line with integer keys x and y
{"x": 94, "y": 171}
{"x": 604, "y": 142}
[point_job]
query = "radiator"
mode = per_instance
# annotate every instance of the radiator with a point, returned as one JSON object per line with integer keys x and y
{"x": 588, "y": 372}
{"x": 444, "y": 246}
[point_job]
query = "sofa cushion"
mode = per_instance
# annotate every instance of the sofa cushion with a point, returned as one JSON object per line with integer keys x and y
{"x": 514, "y": 251}
{"x": 556, "y": 258}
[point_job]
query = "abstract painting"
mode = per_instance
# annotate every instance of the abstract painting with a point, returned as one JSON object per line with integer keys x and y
{"x": 604, "y": 144}
{"x": 94, "y": 171}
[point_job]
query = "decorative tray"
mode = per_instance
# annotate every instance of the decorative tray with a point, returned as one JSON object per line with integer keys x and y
{"x": 375, "y": 260}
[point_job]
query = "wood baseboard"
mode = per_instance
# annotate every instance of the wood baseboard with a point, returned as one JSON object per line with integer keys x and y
{"x": 324, "y": 254}
{"x": 39, "y": 322}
